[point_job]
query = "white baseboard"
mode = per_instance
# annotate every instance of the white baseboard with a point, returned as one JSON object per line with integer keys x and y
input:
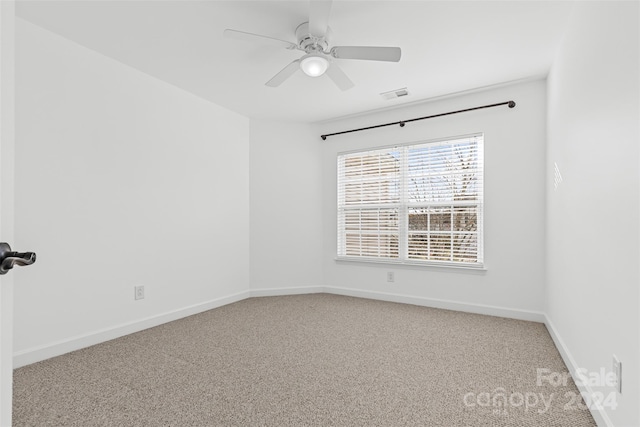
{"x": 489, "y": 310}
{"x": 274, "y": 292}
{"x": 533, "y": 316}
{"x": 599, "y": 415}
{"x": 37, "y": 354}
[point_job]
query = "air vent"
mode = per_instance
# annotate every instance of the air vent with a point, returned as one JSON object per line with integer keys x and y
{"x": 395, "y": 93}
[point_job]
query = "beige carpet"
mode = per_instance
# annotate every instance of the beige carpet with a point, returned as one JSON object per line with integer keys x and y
{"x": 307, "y": 360}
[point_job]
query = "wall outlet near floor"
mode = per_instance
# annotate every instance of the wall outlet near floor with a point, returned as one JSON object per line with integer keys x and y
{"x": 391, "y": 277}
{"x": 138, "y": 292}
{"x": 617, "y": 370}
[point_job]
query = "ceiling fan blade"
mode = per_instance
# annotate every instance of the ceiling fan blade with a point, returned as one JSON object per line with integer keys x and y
{"x": 339, "y": 77}
{"x": 250, "y": 37}
{"x": 284, "y": 74}
{"x": 319, "y": 11}
{"x": 369, "y": 53}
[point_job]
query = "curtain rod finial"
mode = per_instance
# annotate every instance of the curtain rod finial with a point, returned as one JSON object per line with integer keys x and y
{"x": 324, "y": 137}
{"x": 512, "y": 104}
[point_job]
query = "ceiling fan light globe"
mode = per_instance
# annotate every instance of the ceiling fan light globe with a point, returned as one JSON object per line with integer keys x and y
{"x": 314, "y": 65}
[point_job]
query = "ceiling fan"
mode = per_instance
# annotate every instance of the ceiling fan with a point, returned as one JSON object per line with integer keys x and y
{"x": 313, "y": 39}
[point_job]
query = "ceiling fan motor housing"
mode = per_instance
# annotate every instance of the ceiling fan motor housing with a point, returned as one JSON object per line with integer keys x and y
{"x": 310, "y": 43}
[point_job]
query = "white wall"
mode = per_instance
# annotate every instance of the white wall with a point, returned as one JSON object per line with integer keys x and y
{"x": 514, "y": 201}
{"x": 286, "y": 207}
{"x": 121, "y": 180}
{"x": 593, "y": 215}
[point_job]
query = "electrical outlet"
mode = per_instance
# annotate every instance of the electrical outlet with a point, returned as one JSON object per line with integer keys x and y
{"x": 390, "y": 276}
{"x": 138, "y": 292}
{"x": 617, "y": 370}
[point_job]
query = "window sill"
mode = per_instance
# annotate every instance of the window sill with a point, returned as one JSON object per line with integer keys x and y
{"x": 432, "y": 264}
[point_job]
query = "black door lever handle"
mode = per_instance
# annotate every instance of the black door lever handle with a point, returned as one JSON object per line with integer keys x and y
{"x": 9, "y": 258}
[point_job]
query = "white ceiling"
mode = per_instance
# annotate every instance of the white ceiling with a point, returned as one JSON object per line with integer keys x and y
{"x": 447, "y": 47}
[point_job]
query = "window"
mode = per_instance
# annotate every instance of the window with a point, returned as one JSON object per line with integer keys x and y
{"x": 415, "y": 204}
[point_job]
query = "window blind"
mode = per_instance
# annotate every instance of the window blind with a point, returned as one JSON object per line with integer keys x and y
{"x": 419, "y": 203}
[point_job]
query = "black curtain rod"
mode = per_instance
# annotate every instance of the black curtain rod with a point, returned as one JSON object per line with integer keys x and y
{"x": 511, "y": 104}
